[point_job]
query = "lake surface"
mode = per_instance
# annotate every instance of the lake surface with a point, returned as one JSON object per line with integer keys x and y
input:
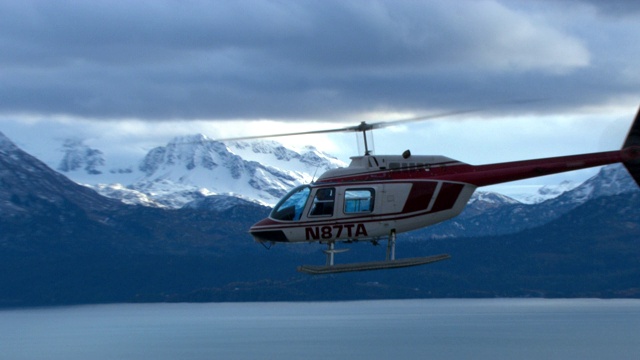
{"x": 397, "y": 329}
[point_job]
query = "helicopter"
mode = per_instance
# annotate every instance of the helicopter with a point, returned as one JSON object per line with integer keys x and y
{"x": 377, "y": 197}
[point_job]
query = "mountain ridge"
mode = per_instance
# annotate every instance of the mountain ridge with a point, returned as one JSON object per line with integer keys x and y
{"x": 63, "y": 243}
{"x": 191, "y": 167}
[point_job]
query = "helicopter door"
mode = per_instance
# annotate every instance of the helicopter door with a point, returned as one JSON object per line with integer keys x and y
{"x": 323, "y": 202}
{"x": 394, "y": 197}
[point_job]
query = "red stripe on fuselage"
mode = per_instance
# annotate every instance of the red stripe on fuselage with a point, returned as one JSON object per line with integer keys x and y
{"x": 483, "y": 175}
{"x": 382, "y": 175}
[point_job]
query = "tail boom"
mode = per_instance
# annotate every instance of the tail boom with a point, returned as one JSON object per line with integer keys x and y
{"x": 491, "y": 174}
{"x": 484, "y": 175}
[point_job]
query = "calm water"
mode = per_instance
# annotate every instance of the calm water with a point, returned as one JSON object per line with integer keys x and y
{"x": 403, "y": 329}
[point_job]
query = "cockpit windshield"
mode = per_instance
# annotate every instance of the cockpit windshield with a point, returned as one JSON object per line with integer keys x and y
{"x": 291, "y": 206}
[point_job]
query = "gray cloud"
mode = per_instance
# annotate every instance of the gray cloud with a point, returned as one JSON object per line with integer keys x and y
{"x": 169, "y": 59}
{"x": 621, "y": 8}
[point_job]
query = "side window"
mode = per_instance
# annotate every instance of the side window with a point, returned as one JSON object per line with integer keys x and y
{"x": 323, "y": 202}
{"x": 358, "y": 201}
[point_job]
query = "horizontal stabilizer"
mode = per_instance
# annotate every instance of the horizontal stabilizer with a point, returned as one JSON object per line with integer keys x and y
{"x": 372, "y": 265}
{"x": 632, "y": 145}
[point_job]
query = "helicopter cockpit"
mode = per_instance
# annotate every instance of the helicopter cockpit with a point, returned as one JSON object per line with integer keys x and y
{"x": 291, "y": 206}
{"x": 353, "y": 201}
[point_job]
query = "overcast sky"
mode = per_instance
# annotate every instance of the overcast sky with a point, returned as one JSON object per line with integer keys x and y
{"x": 130, "y": 75}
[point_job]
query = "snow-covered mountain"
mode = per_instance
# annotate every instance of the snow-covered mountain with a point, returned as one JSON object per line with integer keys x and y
{"x": 29, "y": 187}
{"x": 482, "y": 201}
{"x": 77, "y": 156}
{"x": 169, "y": 177}
{"x": 543, "y": 193}
{"x": 610, "y": 180}
{"x": 193, "y": 167}
{"x": 51, "y": 226}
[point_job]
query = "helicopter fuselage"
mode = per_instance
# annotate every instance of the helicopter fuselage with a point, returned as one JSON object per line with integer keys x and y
{"x": 375, "y": 195}
{"x": 378, "y": 196}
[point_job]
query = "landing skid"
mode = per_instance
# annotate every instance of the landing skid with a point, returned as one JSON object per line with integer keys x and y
{"x": 372, "y": 265}
{"x": 389, "y": 263}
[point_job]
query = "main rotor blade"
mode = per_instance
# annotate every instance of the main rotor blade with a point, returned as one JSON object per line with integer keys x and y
{"x": 363, "y": 126}
{"x": 388, "y": 123}
{"x": 287, "y": 134}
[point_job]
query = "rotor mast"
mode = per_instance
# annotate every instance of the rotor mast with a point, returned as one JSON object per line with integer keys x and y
{"x": 363, "y": 128}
